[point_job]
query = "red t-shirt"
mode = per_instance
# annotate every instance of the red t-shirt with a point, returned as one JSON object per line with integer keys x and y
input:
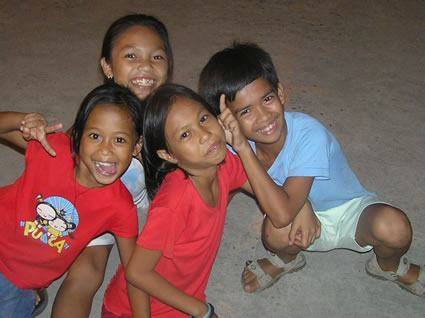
{"x": 48, "y": 218}
{"x": 187, "y": 231}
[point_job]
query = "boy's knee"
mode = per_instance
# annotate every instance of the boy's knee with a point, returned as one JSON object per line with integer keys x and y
{"x": 273, "y": 238}
{"x": 393, "y": 227}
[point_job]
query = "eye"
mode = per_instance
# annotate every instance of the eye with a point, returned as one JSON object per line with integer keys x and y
{"x": 204, "y": 119}
{"x": 120, "y": 140}
{"x": 268, "y": 98}
{"x": 244, "y": 111}
{"x": 94, "y": 136}
{"x": 185, "y": 135}
{"x": 130, "y": 55}
{"x": 158, "y": 57}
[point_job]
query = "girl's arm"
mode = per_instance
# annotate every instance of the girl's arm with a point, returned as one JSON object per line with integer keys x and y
{"x": 282, "y": 204}
{"x": 139, "y": 300}
{"x": 18, "y": 128}
{"x": 141, "y": 273}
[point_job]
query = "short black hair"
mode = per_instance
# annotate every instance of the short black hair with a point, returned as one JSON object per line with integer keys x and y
{"x": 158, "y": 106}
{"x": 231, "y": 69}
{"x": 124, "y": 23}
{"x": 112, "y": 94}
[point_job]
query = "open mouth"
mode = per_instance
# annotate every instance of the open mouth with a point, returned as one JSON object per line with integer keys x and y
{"x": 106, "y": 169}
{"x": 143, "y": 82}
{"x": 269, "y": 129}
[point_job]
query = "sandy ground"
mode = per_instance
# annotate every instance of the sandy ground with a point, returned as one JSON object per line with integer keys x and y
{"x": 357, "y": 66}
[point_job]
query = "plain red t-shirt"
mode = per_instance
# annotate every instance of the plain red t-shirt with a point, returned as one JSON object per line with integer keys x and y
{"x": 187, "y": 231}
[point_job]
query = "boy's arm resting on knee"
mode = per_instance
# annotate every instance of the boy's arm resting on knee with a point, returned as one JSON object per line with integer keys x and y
{"x": 19, "y": 128}
{"x": 141, "y": 273}
{"x": 139, "y": 300}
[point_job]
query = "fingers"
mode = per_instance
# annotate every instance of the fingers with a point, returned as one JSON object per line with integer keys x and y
{"x": 35, "y": 127}
{"x": 53, "y": 128}
{"x": 47, "y": 147}
{"x": 223, "y": 105}
{"x": 292, "y": 233}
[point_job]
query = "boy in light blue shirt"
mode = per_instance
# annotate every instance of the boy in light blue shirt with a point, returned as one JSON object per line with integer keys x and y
{"x": 305, "y": 159}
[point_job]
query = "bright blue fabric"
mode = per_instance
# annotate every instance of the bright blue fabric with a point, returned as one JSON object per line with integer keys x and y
{"x": 312, "y": 150}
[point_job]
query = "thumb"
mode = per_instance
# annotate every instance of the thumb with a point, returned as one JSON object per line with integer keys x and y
{"x": 291, "y": 235}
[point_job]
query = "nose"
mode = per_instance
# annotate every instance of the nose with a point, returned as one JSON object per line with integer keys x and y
{"x": 262, "y": 113}
{"x": 144, "y": 64}
{"x": 105, "y": 148}
{"x": 205, "y": 135}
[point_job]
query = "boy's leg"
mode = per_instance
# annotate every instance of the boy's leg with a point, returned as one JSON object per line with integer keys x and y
{"x": 84, "y": 278}
{"x": 276, "y": 241}
{"x": 388, "y": 230}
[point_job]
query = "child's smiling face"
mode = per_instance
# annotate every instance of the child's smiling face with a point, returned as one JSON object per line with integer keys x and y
{"x": 195, "y": 139}
{"x": 107, "y": 146}
{"x": 260, "y": 112}
{"x": 138, "y": 61}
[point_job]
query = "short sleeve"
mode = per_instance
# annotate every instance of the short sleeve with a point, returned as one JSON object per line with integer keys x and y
{"x": 237, "y": 175}
{"x": 311, "y": 153}
{"x": 161, "y": 231}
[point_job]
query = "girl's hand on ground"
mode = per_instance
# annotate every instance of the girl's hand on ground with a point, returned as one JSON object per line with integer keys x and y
{"x": 234, "y": 136}
{"x": 305, "y": 228}
{"x": 35, "y": 127}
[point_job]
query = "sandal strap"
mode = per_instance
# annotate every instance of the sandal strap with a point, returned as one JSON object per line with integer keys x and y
{"x": 262, "y": 277}
{"x": 277, "y": 261}
{"x": 418, "y": 287}
{"x": 403, "y": 266}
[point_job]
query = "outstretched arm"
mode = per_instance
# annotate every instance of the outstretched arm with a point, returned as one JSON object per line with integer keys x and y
{"x": 141, "y": 273}
{"x": 18, "y": 128}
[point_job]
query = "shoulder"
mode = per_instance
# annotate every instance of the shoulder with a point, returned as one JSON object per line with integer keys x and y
{"x": 174, "y": 190}
{"x": 59, "y": 141}
{"x": 303, "y": 127}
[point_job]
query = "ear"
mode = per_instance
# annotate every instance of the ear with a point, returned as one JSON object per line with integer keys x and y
{"x": 281, "y": 94}
{"x": 106, "y": 68}
{"x": 138, "y": 147}
{"x": 165, "y": 155}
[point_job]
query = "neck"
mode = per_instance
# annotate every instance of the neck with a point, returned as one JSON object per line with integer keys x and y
{"x": 267, "y": 153}
{"x": 207, "y": 184}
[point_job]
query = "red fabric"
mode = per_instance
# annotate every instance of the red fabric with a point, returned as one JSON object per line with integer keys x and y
{"x": 33, "y": 250}
{"x": 187, "y": 232}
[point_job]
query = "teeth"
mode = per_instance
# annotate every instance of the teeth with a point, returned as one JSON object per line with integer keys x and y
{"x": 143, "y": 82}
{"x": 104, "y": 164}
{"x": 268, "y": 128}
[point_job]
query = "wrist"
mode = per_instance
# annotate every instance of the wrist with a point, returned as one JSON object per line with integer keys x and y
{"x": 209, "y": 313}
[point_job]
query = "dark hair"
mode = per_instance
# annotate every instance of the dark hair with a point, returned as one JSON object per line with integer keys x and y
{"x": 158, "y": 106}
{"x": 112, "y": 94}
{"x": 231, "y": 69}
{"x": 124, "y": 23}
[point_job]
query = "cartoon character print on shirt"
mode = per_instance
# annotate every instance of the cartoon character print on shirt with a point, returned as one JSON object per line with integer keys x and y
{"x": 56, "y": 219}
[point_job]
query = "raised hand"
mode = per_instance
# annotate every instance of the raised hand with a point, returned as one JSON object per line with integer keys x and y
{"x": 227, "y": 120}
{"x": 35, "y": 127}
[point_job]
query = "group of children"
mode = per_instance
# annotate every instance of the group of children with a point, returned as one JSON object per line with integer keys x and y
{"x": 138, "y": 140}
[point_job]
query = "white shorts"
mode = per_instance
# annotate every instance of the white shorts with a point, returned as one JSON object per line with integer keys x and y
{"x": 339, "y": 226}
{"x": 104, "y": 239}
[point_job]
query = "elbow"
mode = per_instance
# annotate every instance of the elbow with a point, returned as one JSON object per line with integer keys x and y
{"x": 281, "y": 221}
{"x": 130, "y": 275}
